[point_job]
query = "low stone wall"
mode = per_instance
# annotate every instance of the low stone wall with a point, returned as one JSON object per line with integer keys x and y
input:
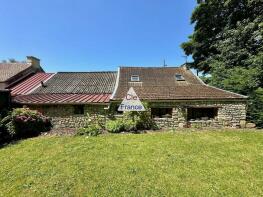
{"x": 166, "y": 122}
{"x": 69, "y": 122}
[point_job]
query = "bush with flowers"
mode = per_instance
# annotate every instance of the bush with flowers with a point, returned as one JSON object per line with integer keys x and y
{"x": 23, "y": 123}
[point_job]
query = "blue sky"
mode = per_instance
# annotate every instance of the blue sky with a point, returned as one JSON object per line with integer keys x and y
{"x": 88, "y": 35}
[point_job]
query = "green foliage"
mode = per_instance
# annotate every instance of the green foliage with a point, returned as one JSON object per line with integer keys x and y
{"x": 10, "y": 60}
{"x": 115, "y": 126}
{"x": 129, "y": 125}
{"x": 23, "y": 123}
{"x": 132, "y": 122}
{"x": 237, "y": 79}
{"x": 93, "y": 127}
{"x": 227, "y": 31}
{"x": 227, "y": 43}
{"x": 255, "y": 110}
{"x": 91, "y": 130}
{"x": 143, "y": 120}
{"x": 4, "y": 134}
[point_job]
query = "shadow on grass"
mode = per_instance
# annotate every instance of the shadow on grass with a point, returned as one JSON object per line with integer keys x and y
{"x": 8, "y": 143}
{"x": 13, "y": 141}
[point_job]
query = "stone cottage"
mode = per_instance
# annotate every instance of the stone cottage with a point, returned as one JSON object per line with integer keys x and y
{"x": 178, "y": 98}
{"x": 67, "y": 97}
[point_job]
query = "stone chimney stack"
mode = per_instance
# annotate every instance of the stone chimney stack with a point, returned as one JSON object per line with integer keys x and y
{"x": 35, "y": 62}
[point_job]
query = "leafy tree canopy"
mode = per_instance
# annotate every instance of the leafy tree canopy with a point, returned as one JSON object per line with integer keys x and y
{"x": 229, "y": 32}
{"x": 11, "y": 60}
{"x": 227, "y": 44}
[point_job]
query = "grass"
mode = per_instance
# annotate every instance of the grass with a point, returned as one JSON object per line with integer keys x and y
{"x": 158, "y": 164}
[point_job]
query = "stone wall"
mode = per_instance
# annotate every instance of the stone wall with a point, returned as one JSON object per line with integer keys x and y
{"x": 230, "y": 114}
{"x": 63, "y": 115}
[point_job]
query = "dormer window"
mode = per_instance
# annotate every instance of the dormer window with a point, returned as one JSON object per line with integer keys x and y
{"x": 135, "y": 78}
{"x": 179, "y": 77}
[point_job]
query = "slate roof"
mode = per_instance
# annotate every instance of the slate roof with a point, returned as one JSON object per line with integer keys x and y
{"x": 79, "y": 83}
{"x": 72, "y": 88}
{"x": 26, "y": 86}
{"x": 159, "y": 83}
{"x": 9, "y": 70}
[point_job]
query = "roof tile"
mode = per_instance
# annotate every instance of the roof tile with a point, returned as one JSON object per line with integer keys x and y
{"x": 9, "y": 70}
{"x": 79, "y": 83}
{"x": 29, "y": 84}
{"x": 159, "y": 83}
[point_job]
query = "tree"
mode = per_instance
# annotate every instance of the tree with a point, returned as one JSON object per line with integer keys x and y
{"x": 255, "y": 111}
{"x": 227, "y": 44}
{"x": 10, "y": 60}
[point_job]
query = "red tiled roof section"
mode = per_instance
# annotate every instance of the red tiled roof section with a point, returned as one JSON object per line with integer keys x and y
{"x": 159, "y": 83}
{"x": 62, "y": 98}
{"x": 30, "y": 84}
{"x": 9, "y": 70}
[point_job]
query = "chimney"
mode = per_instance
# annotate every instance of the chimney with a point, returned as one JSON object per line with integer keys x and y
{"x": 35, "y": 62}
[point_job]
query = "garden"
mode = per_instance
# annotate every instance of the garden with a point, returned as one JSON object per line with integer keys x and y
{"x": 200, "y": 163}
{"x": 172, "y": 162}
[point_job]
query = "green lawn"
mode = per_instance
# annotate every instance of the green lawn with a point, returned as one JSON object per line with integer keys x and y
{"x": 158, "y": 164}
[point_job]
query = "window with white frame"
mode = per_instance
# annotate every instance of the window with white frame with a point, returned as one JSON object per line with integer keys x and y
{"x": 135, "y": 78}
{"x": 179, "y": 77}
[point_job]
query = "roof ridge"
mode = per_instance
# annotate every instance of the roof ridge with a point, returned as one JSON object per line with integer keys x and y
{"x": 123, "y": 66}
{"x": 44, "y": 73}
{"x": 15, "y": 63}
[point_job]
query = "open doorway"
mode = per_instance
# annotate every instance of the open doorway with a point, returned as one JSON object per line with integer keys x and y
{"x": 201, "y": 113}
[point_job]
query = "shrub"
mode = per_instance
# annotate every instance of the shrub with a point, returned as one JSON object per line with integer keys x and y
{"x": 115, "y": 126}
{"x": 143, "y": 120}
{"x": 129, "y": 125}
{"x": 255, "y": 108}
{"x": 4, "y": 134}
{"x": 91, "y": 130}
{"x": 23, "y": 123}
{"x": 132, "y": 121}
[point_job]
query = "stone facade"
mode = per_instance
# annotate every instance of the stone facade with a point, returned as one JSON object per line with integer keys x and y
{"x": 63, "y": 116}
{"x": 229, "y": 114}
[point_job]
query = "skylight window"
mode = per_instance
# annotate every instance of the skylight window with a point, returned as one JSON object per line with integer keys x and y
{"x": 179, "y": 77}
{"x": 135, "y": 78}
